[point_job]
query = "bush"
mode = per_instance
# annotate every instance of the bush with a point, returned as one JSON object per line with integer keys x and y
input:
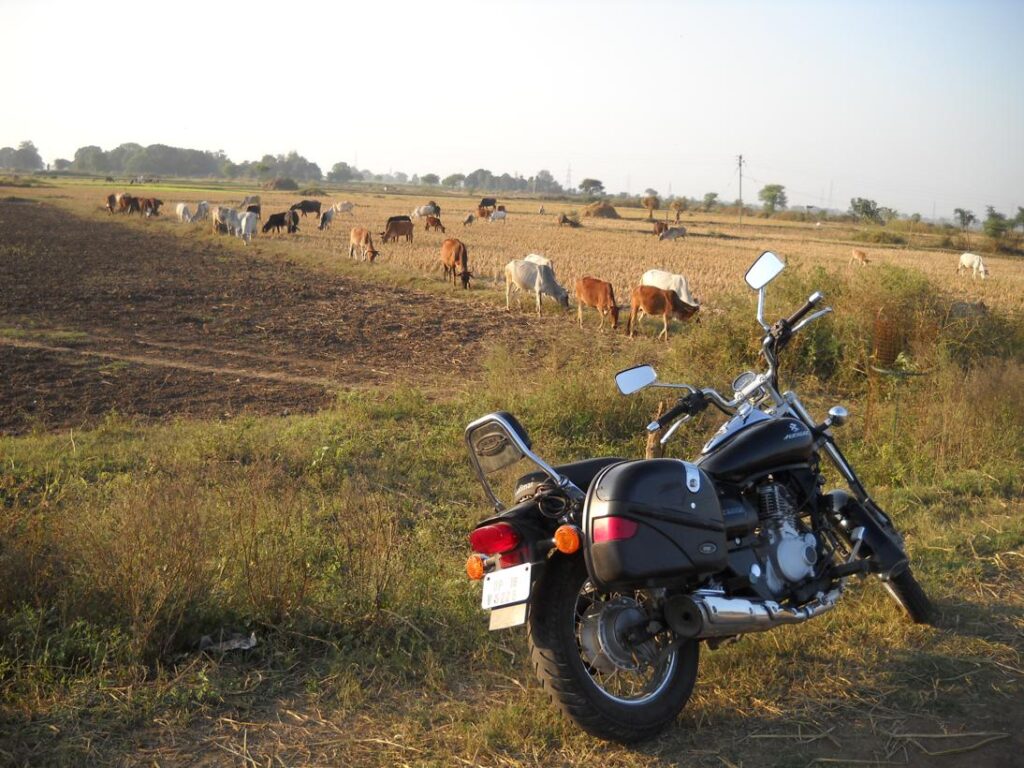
{"x": 312, "y": 192}
{"x": 879, "y": 237}
{"x": 283, "y": 185}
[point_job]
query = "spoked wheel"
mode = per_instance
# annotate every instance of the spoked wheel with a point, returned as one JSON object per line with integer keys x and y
{"x": 597, "y": 661}
{"x": 906, "y": 590}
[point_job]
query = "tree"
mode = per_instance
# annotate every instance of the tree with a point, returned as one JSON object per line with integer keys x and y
{"x": 591, "y": 187}
{"x": 430, "y": 178}
{"x": 678, "y": 206}
{"x": 651, "y": 203}
{"x": 995, "y": 225}
{"x": 964, "y": 217}
{"x": 888, "y": 214}
{"x": 26, "y": 157}
{"x": 454, "y": 180}
{"x": 773, "y": 196}
{"x": 650, "y": 192}
{"x": 545, "y": 182}
{"x": 90, "y": 159}
{"x": 1018, "y": 220}
{"x": 481, "y": 177}
{"x": 60, "y": 164}
{"x": 865, "y": 210}
{"x": 710, "y": 200}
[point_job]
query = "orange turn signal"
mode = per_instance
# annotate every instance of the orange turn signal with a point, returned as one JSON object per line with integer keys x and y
{"x": 475, "y": 567}
{"x": 567, "y": 539}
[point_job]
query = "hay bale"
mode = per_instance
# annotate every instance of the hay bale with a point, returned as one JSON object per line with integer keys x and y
{"x": 601, "y": 210}
{"x": 285, "y": 185}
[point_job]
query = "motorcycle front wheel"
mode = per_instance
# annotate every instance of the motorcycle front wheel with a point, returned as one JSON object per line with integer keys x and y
{"x": 906, "y": 590}
{"x": 592, "y": 656}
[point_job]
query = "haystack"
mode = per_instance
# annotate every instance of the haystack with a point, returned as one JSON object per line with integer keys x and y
{"x": 601, "y": 210}
{"x": 285, "y": 184}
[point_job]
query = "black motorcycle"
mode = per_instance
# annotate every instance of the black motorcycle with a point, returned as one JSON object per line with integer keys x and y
{"x": 620, "y": 568}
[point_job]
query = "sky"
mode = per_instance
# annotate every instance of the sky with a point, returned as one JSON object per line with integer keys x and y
{"x": 917, "y": 105}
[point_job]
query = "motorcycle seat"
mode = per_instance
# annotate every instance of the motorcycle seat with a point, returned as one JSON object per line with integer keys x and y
{"x": 581, "y": 473}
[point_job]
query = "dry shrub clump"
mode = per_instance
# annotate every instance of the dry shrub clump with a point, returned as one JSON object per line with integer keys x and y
{"x": 284, "y": 185}
{"x": 601, "y": 210}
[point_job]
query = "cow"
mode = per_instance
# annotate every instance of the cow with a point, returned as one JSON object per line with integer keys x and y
{"x": 392, "y": 219}
{"x": 659, "y": 278}
{"x": 482, "y": 213}
{"x": 434, "y": 223}
{"x": 248, "y": 222}
{"x": 183, "y": 212}
{"x": 470, "y": 218}
{"x": 522, "y": 275}
{"x": 202, "y": 211}
{"x": 487, "y": 202}
{"x": 129, "y": 204}
{"x": 973, "y": 262}
{"x": 277, "y": 220}
{"x": 293, "y": 222}
{"x": 149, "y": 206}
{"x": 249, "y": 200}
{"x": 111, "y": 202}
{"x": 648, "y": 300}
{"x": 536, "y": 258}
{"x": 673, "y": 233}
{"x": 225, "y": 219}
{"x": 118, "y": 198}
{"x": 598, "y": 294}
{"x": 858, "y": 257}
{"x": 659, "y": 227}
{"x": 430, "y": 209}
{"x": 967, "y": 310}
{"x": 498, "y": 216}
{"x": 326, "y": 218}
{"x": 455, "y": 260}
{"x": 501, "y": 207}
{"x": 343, "y": 207}
{"x": 255, "y": 208}
{"x": 307, "y": 206}
{"x": 395, "y": 230}
{"x": 360, "y": 238}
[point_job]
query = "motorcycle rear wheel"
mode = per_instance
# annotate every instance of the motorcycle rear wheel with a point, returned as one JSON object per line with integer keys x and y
{"x": 583, "y": 661}
{"x": 906, "y": 590}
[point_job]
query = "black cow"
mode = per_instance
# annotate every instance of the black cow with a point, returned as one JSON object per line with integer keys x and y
{"x": 307, "y": 206}
{"x": 293, "y": 223}
{"x": 396, "y": 218}
{"x": 488, "y": 202}
{"x": 258, "y": 210}
{"x": 277, "y": 220}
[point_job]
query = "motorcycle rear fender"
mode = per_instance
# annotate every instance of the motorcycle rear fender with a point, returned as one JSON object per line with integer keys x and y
{"x": 881, "y": 542}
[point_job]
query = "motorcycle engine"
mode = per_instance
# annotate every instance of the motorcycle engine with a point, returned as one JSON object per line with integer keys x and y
{"x": 790, "y": 552}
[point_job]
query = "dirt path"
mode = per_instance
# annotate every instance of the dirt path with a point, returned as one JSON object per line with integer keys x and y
{"x": 97, "y": 316}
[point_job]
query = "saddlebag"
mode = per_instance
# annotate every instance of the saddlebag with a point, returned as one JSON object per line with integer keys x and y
{"x": 652, "y": 523}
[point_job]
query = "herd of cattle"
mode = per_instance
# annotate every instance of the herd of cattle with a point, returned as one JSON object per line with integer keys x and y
{"x": 659, "y": 293}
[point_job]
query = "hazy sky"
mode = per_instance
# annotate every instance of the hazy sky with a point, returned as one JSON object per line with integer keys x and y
{"x": 913, "y": 104}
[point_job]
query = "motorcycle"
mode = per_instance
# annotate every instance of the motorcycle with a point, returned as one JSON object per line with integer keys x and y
{"x": 621, "y": 569}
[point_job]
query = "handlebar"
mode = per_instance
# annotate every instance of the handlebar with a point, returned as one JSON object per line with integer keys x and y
{"x": 812, "y": 302}
{"x": 690, "y": 405}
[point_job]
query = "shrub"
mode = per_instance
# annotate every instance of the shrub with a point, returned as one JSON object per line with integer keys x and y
{"x": 282, "y": 184}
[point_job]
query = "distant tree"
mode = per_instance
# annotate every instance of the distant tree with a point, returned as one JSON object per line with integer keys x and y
{"x": 341, "y": 173}
{"x": 964, "y": 217}
{"x": 888, "y": 214}
{"x": 7, "y": 157}
{"x": 26, "y": 157}
{"x": 60, "y": 164}
{"x": 650, "y": 192}
{"x": 545, "y": 182}
{"x": 773, "y": 196}
{"x": 480, "y": 178}
{"x": 90, "y": 159}
{"x": 1018, "y": 220}
{"x": 915, "y": 218}
{"x": 865, "y": 210}
{"x": 453, "y": 180}
{"x": 430, "y": 178}
{"x": 400, "y": 178}
{"x": 591, "y": 187}
{"x": 679, "y": 205}
{"x": 651, "y": 203}
{"x": 710, "y": 201}
{"x": 995, "y": 225}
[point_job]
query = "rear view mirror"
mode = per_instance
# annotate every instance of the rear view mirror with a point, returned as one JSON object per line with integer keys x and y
{"x": 764, "y": 270}
{"x": 634, "y": 379}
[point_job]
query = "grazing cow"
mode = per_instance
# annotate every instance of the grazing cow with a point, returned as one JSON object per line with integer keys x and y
{"x": 565, "y": 221}
{"x": 536, "y": 258}
{"x": 395, "y": 230}
{"x": 247, "y": 224}
{"x": 483, "y": 213}
{"x": 249, "y": 200}
{"x": 659, "y": 227}
{"x": 118, "y": 197}
{"x": 392, "y": 219}
{"x": 673, "y": 233}
{"x": 111, "y": 202}
{"x": 277, "y": 220}
{"x": 202, "y": 211}
{"x": 225, "y": 219}
{"x": 659, "y": 278}
{"x": 326, "y": 218}
{"x": 293, "y": 222}
{"x": 455, "y": 260}
{"x": 523, "y": 275}
{"x": 434, "y": 223}
{"x": 255, "y": 208}
{"x": 184, "y": 214}
{"x": 307, "y": 206}
{"x": 430, "y": 209}
{"x": 150, "y": 206}
{"x": 487, "y": 202}
{"x": 343, "y": 207}
{"x": 499, "y": 216}
{"x": 501, "y": 207}
{"x": 470, "y": 218}
{"x": 648, "y": 300}
{"x": 967, "y": 310}
{"x": 858, "y": 257}
{"x": 598, "y": 294}
{"x": 129, "y": 204}
{"x": 973, "y": 262}
{"x": 360, "y": 238}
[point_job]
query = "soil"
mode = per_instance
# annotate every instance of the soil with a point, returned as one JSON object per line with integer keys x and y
{"x": 97, "y": 316}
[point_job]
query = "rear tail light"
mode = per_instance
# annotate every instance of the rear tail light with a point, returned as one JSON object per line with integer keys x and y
{"x": 614, "y": 529}
{"x": 494, "y": 539}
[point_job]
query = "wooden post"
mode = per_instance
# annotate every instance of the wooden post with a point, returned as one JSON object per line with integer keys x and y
{"x": 655, "y": 450}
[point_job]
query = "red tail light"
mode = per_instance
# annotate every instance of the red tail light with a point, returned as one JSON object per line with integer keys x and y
{"x": 493, "y": 539}
{"x": 614, "y": 529}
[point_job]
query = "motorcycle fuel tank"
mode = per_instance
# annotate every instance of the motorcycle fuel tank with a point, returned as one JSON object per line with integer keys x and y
{"x": 759, "y": 448}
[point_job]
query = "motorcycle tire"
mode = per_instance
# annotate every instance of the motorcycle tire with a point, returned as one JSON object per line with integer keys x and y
{"x": 575, "y": 684}
{"x": 906, "y": 590}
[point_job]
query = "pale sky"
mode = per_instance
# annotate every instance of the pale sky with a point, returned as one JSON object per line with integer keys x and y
{"x": 912, "y": 104}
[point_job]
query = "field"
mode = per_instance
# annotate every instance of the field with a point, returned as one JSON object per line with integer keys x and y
{"x": 206, "y": 438}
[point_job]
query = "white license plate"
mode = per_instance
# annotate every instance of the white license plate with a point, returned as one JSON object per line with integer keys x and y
{"x": 507, "y": 586}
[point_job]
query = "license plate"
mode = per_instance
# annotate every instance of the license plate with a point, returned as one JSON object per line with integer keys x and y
{"x": 507, "y": 586}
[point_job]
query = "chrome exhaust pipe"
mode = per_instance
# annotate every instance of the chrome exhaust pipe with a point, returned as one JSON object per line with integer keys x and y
{"x": 706, "y": 614}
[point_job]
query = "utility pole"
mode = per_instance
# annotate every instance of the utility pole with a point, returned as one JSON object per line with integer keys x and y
{"x": 568, "y": 177}
{"x": 740, "y": 166}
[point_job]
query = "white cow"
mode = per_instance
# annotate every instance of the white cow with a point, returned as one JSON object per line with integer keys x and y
{"x": 672, "y": 233}
{"x": 326, "y": 218}
{"x": 226, "y": 217}
{"x": 202, "y": 211}
{"x": 522, "y": 275}
{"x": 425, "y": 210}
{"x": 247, "y": 224}
{"x": 973, "y": 262}
{"x": 501, "y": 216}
{"x": 659, "y": 278}
{"x": 184, "y": 214}
{"x": 536, "y": 258}
{"x": 343, "y": 207}
{"x": 249, "y": 200}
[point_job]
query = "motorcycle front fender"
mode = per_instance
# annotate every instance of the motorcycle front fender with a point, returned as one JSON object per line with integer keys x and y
{"x": 881, "y": 544}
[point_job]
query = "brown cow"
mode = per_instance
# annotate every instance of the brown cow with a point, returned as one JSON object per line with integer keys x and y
{"x": 455, "y": 260}
{"x": 482, "y": 213}
{"x": 659, "y": 227}
{"x": 130, "y": 204}
{"x": 434, "y": 223}
{"x": 565, "y": 221}
{"x": 858, "y": 256}
{"x": 111, "y": 202}
{"x": 150, "y": 206}
{"x": 598, "y": 294}
{"x": 648, "y": 300}
{"x": 501, "y": 208}
{"x": 360, "y": 238}
{"x": 397, "y": 229}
